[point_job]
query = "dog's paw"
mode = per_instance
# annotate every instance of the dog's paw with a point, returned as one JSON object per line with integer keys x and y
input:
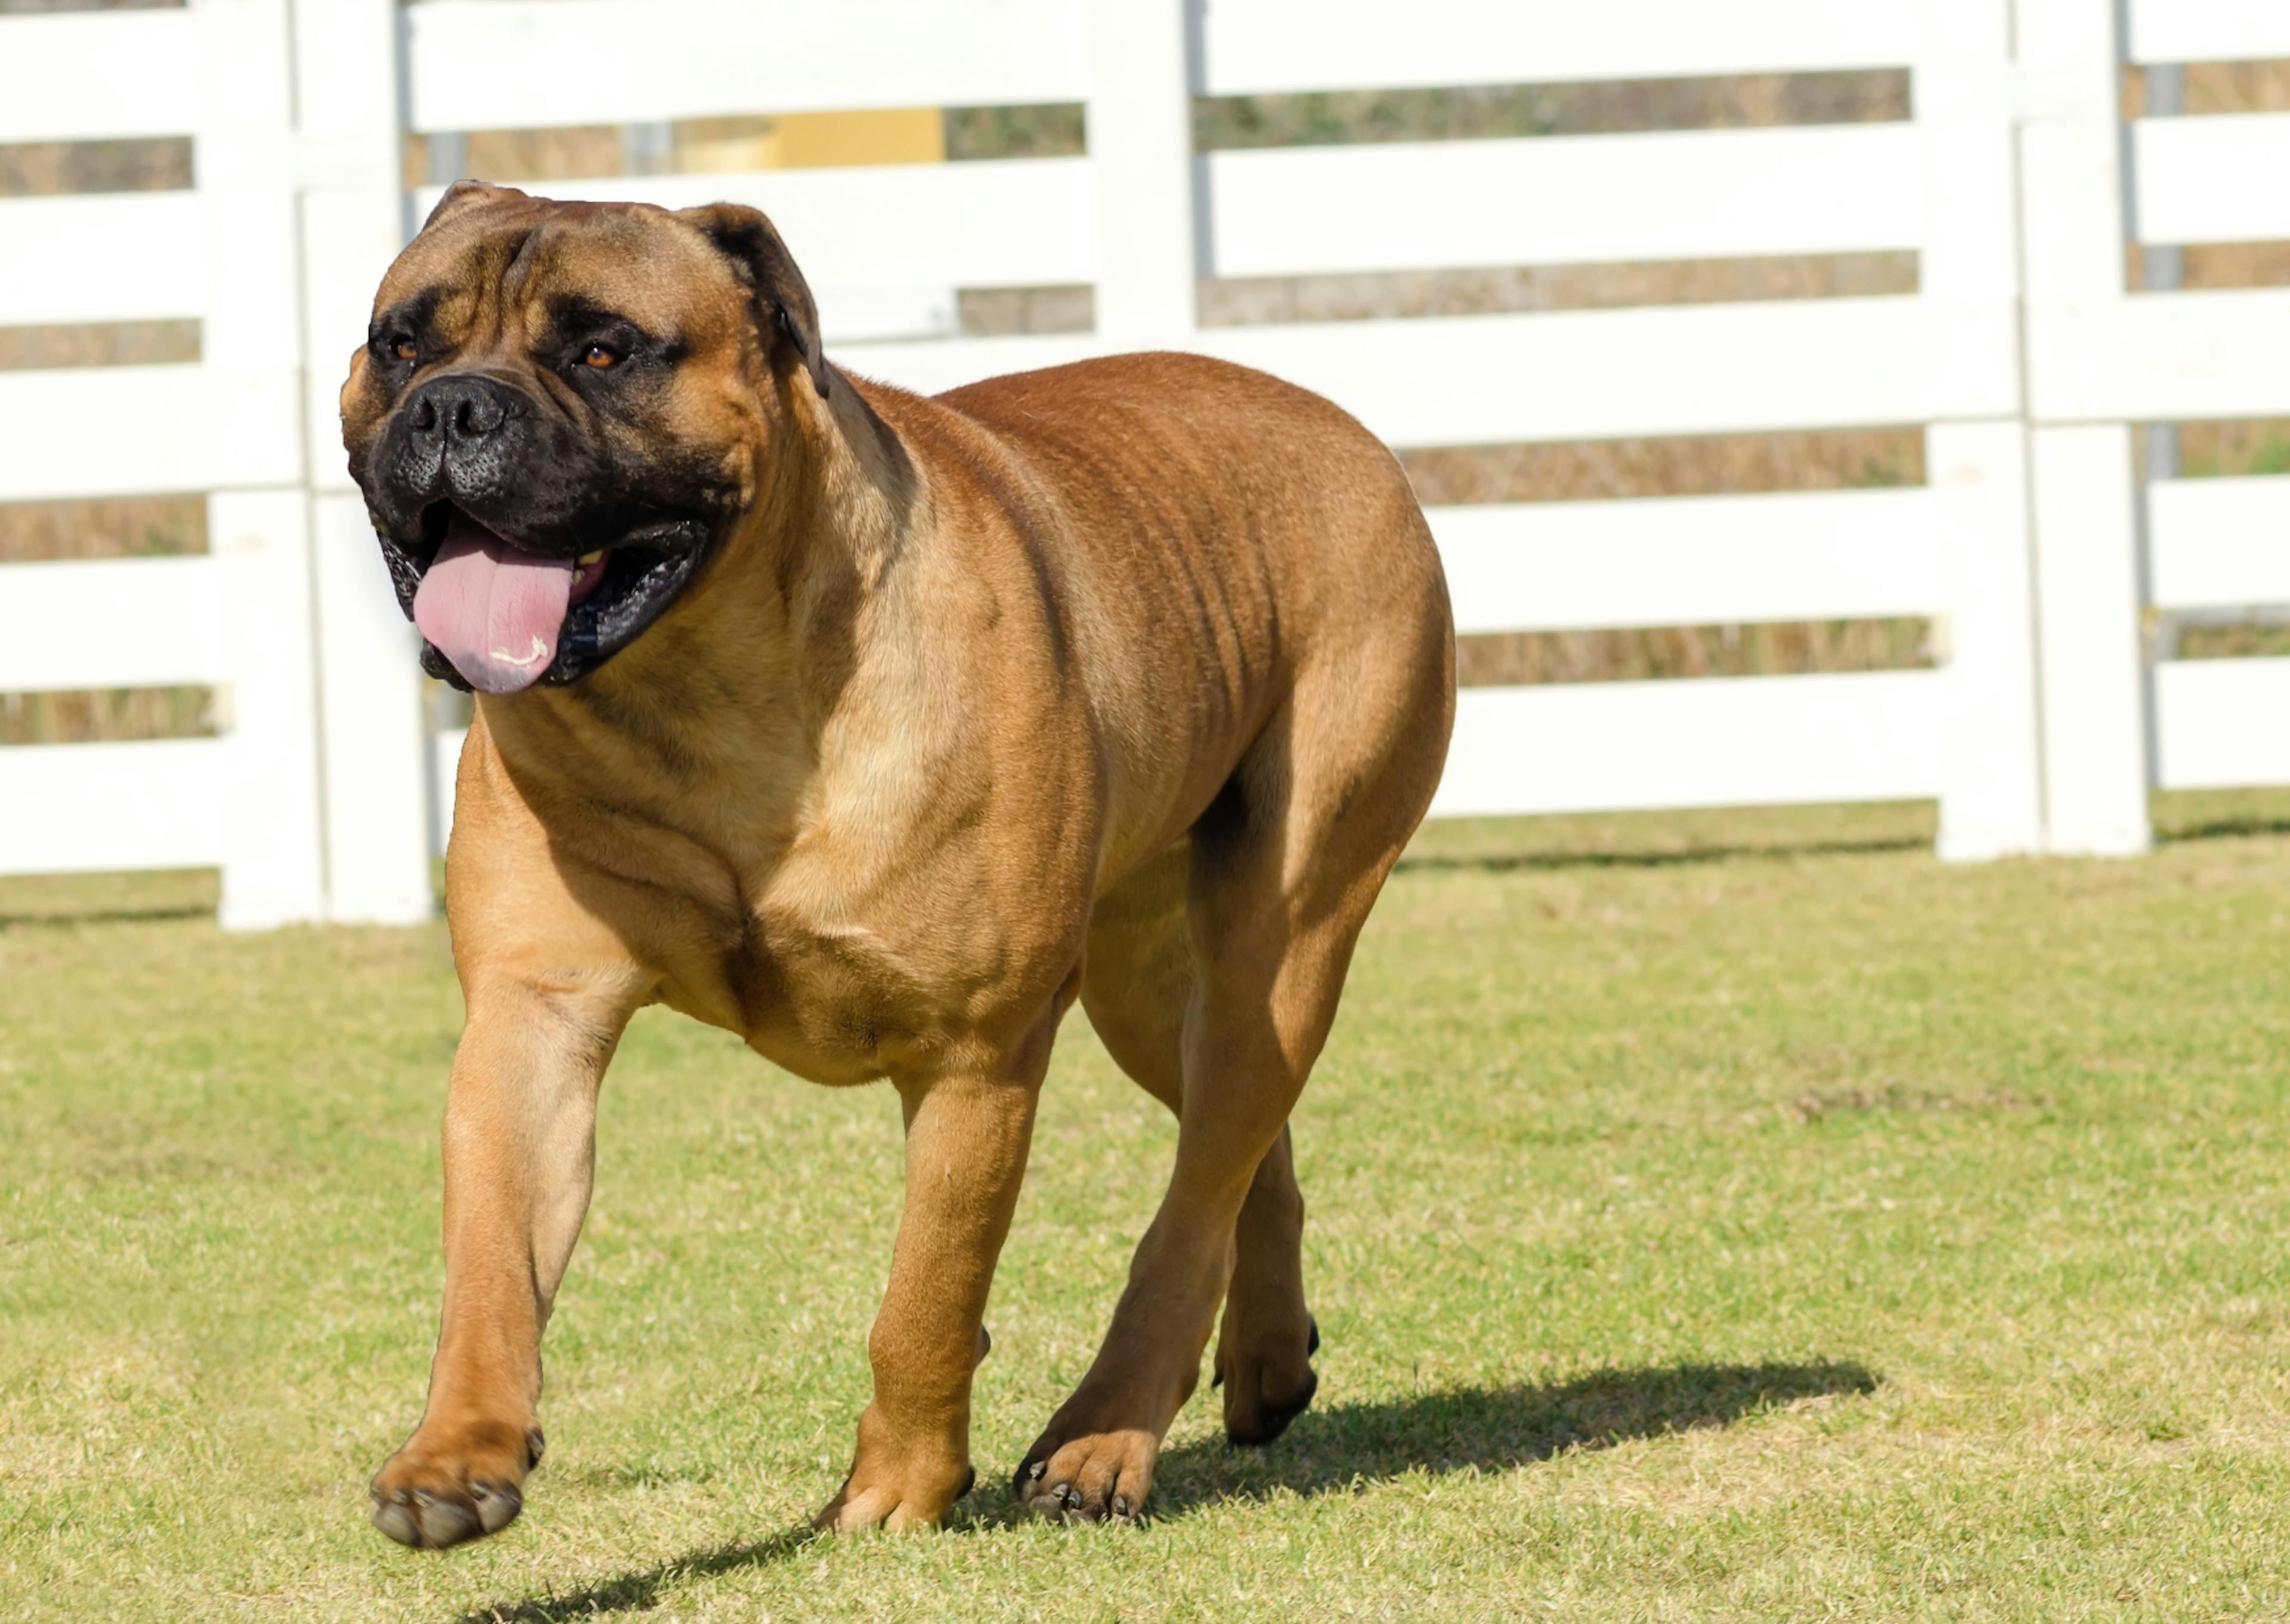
{"x": 901, "y": 1477}
{"x": 1267, "y": 1386}
{"x": 1092, "y": 1478}
{"x": 892, "y": 1500}
{"x": 454, "y": 1483}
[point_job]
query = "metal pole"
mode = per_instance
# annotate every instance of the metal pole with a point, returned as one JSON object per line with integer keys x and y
{"x": 2164, "y": 263}
{"x": 2165, "y": 268}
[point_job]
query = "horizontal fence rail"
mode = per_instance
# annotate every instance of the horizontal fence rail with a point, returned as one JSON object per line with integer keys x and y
{"x": 163, "y": 804}
{"x": 2208, "y": 30}
{"x": 2219, "y": 541}
{"x": 1715, "y": 741}
{"x": 1585, "y": 374}
{"x": 101, "y": 77}
{"x": 2035, "y": 548}
{"x": 1684, "y": 561}
{"x": 2217, "y": 723}
{"x": 2219, "y": 353}
{"x": 164, "y": 428}
{"x": 1565, "y": 199}
{"x": 97, "y": 258}
{"x": 2193, "y": 178}
{"x": 1257, "y": 46}
{"x": 1016, "y": 222}
{"x": 113, "y": 623}
{"x": 516, "y": 64}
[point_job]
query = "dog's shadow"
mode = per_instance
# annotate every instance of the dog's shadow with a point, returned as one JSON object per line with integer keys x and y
{"x": 1333, "y": 1449}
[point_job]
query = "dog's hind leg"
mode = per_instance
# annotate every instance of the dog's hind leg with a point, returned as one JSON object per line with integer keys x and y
{"x": 1138, "y": 975}
{"x": 1265, "y": 1346}
{"x": 1139, "y": 985}
{"x": 1281, "y": 873}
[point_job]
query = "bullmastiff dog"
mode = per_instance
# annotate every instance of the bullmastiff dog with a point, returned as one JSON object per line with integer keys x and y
{"x": 877, "y": 729}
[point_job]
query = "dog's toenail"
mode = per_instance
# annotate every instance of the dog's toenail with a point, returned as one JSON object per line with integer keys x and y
{"x": 395, "y": 1521}
{"x": 480, "y": 1491}
{"x": 422, "y": 1497}
{"x": 535, "y": 1446}
{"x": 1121, "y": 1507}
{"x": 497, "y": 1507}
{"x": 445, "y": 1523}
{"x": 1033, "y": 1472}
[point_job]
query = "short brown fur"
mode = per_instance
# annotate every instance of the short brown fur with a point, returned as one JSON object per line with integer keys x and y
{"x": 1124, "y": 681}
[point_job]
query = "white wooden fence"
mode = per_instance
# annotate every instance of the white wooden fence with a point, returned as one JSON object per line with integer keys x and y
{"x": 2022, "y": 355}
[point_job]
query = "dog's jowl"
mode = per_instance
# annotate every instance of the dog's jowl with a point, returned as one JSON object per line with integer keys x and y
{"x": 878, "y": 729}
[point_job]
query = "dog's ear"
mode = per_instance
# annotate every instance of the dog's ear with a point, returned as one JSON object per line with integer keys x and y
{"x": 464, "y": 196}
{"x": 784, "y": 307}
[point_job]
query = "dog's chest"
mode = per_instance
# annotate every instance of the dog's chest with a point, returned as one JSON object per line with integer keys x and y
{"x": 836, "y": 1002}
{"x": 847, "y": 960}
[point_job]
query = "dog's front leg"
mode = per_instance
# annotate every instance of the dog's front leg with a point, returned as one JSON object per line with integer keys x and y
{"x": 520, "y": 1150}
{"x": 967, "y": 1130}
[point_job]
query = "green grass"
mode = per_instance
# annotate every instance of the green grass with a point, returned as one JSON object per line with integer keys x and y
{"x": 1747, "y": 1233}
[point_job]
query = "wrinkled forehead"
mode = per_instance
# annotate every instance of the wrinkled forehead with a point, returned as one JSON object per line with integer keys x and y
{"x": 491, "y": 264}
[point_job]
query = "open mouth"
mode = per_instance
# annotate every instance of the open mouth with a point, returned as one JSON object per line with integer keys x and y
{"x": 500, "y": 616}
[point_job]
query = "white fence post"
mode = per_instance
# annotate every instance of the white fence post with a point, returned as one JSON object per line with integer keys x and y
{"x": 1140, "y": 145}
{"x": 2085, "y": 499}
{"x": 272, "y": 858}
{"x": 1992, "y": 797}
{"x": 1991, "y": 801}
{"x": 273, "y": 871}
{"x": 353, "y": 224}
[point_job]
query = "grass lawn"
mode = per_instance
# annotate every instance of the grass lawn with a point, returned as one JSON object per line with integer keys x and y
{"x": 1758, "y": 1222}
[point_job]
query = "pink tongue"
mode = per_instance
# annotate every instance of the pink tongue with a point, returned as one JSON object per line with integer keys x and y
{"x": 492, "y": 609}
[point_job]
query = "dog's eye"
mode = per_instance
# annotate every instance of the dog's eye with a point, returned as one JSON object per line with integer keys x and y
{"x": 404, "y": 349}
{"x": 600, "y": 356}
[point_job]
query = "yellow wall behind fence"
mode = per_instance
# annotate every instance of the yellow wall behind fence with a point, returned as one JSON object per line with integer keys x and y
{"x": 811, "y": 140}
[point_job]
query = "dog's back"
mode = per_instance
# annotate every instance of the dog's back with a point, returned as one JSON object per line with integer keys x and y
{"x": 1218, "y": 537}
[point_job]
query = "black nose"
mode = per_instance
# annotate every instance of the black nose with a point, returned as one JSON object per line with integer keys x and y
{"x": 460, "y": 413}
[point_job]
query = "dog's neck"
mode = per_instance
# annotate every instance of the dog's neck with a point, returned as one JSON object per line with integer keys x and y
{"x": 740, "y": 676}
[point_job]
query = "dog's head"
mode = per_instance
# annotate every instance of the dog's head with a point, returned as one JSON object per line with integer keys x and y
{"x": 560, "y": 411}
